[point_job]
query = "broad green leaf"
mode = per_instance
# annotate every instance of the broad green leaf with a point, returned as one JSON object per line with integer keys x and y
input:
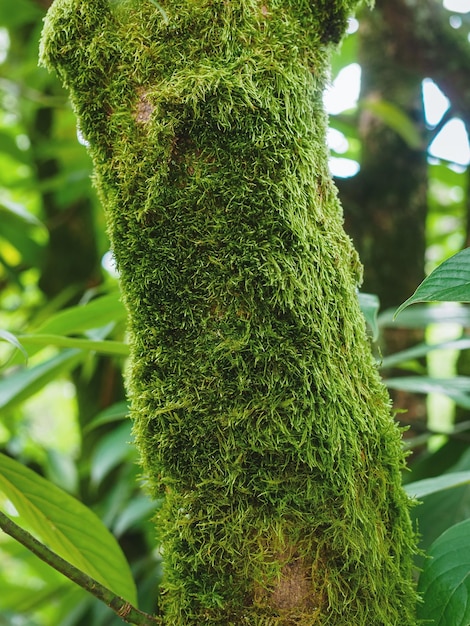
{"x": 67, "y": 527}
{"x": 457, "y": 388}
{"x": 395, "y": 118}
{"x": 25, "y": 382}
{"x": 117, "y": 348}
{"x": 422, "y": 350}
{"x": 445, "y": 580}
{"x": 370, "y": 305}
{"x": 450, "y": 282}
{"x": 427, "y": 486}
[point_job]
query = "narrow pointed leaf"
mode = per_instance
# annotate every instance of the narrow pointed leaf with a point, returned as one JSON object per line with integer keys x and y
{"x": 450, "y": 282}
{"x": 420, "y": 316}
{"x": 112, "y": 449}
{"x": 22, "y": 384}
{"x": 113, "y": 413}
{"x": 427, "y": 486}
{"x": 67, "y": 527}
{"x": 422, "y": 350}
{"x": 117, "y": 348}
{"x": 370, "y": 305}
{"x": 94, "y": 314}
{"x": 138, "y": 510}
{"x": 395, "y": 118}
{"x": 19, "y": 212}
{"x": 14, "y": 341}
{"x": 457, "y": 388}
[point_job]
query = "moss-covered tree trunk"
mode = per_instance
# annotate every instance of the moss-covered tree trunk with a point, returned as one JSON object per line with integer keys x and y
{"x": 257, "y": 405}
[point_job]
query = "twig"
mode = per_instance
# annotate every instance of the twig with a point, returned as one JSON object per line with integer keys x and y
{"x": 121, "y": 607}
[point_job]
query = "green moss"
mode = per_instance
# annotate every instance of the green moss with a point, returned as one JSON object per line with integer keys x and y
{"x": 257, "y": 405}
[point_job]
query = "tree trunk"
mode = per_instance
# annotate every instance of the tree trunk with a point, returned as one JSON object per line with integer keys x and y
{"x": 385, "y": 205}
{"x": 257, "y": 405}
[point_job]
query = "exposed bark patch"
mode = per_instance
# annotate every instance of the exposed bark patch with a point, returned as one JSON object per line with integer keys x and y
{"x": 144, "y": 108}
{"x": 294, "y": 594}
{"x": 293, "y": 591}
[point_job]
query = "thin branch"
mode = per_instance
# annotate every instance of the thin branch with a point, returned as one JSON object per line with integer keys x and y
{"x": 121, "y": 607}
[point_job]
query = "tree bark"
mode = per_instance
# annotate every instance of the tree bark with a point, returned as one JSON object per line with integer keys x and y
{"x": 257, "y": 404}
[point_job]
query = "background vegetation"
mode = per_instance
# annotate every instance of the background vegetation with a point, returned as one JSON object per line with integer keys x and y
{"x": 62, "y": 405}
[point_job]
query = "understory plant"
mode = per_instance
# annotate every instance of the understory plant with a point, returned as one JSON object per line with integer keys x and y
{"x": 258, "y": 409}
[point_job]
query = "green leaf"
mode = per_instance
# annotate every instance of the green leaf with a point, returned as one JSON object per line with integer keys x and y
{"x": 396, "y": 119}
{"x": 23, "y": 383}
{"x": 422, "y": 350}
{"x": 139, "y": 509}
{"x": 457, "y": 388}
{"x": 440, "y": 510}
{"x": 11, "y": 339}
{"x": 111, "y": 450}
{"x": 19, "y": 212}
{"x": 370, "y": 305}
{"x": 60, "y": 468}
{"x": 116, "y": 348}
{"x": 345, "y": 54}
{"x": 67, "y": 527}
{"x": 113, "y": 413}
{"x": 450, "y": 282}
{"x": 7, "y": 139}
{"x": 94, "y": 314}
{"x": 25, "y": 12}
{"x": 445, "y": 580}
{"x": 23, "y": 231}
{"x": 421, "y": 316}
{"x": 427, "y": 486}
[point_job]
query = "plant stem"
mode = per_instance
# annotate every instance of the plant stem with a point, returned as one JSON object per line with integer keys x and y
{"x": 121, "y": 607}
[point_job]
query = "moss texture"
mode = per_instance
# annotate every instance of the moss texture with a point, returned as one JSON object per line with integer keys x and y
{"x": 257, "y": 405}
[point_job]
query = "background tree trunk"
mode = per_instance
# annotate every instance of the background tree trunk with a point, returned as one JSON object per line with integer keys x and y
{"x": 386, "y": 203}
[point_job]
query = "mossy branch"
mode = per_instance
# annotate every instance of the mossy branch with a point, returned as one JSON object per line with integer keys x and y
{"x": 121, "y": 607}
